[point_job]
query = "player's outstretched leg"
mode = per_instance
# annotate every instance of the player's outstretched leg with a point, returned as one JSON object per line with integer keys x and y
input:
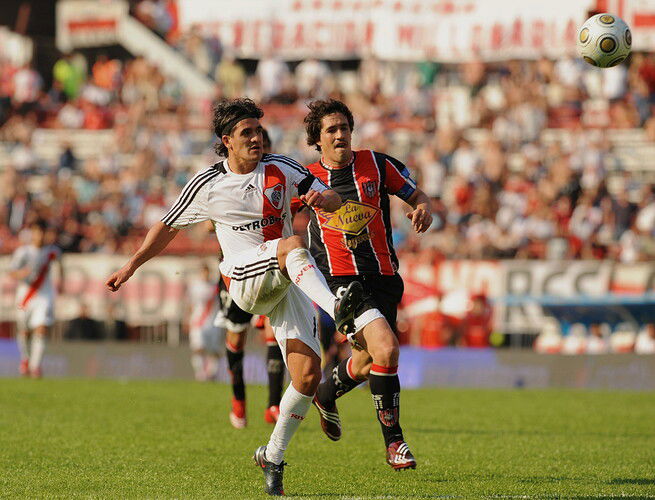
{"x": 234, "y": 351}
{"x": 296, "y": 261}
{"x": 305, "y": 369}
{"x": 23, "y": 349}
{"x": 198, "y": 365}
{"x": 38, "y": 347}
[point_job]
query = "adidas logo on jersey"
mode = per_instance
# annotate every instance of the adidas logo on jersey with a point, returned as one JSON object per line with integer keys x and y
{"x": 250, "y": 189}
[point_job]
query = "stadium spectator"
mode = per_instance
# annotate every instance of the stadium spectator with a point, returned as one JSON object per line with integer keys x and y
{"x": 70, "y": 73}
{"x": 83, "y": 326}
{"x": 645, "y": 343}
{"x": 506, "y": 187}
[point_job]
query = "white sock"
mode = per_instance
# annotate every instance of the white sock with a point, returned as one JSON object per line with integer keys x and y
{"x": 211, "y": 367}
{"x": 21, "y": 340}
{"x": 198, "y": 364}
{"x": 293, "y": 408}
{"x": 38, "y": 346}
{"x": 304, "y": 273}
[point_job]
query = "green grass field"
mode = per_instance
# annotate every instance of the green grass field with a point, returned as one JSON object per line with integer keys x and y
{"x": 84, "y": 438}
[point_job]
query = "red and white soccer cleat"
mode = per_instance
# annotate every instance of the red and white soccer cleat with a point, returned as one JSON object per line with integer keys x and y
{"x": 399, "y": 457}
{"x": 271, "y": 414}
{"x": 238, "y": 414}
{"x": 36, "y": 372}
{"x": 24, "y": 368}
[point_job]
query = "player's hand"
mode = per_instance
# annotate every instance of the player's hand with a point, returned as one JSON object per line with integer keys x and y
{"x": 313, "y": 199}
{"x": 421, "y": 219}
{"x": 118, "y": 278}
{"x": 20, "y": 274}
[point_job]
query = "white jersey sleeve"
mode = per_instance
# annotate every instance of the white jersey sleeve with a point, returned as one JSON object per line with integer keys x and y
{"x": 191, "y": 206}
{"x": 301, "y": 180}
{"x": 18, "y": 259}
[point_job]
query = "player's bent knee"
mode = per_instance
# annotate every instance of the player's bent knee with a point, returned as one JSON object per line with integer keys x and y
{"x": 308, "y": 381}
{"x": 387, "y": 354}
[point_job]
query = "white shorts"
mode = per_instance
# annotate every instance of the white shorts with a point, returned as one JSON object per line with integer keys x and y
{"x": 258, "y": 286}
{"x": 38, "y": 312}
{"x": 207, "y": 338}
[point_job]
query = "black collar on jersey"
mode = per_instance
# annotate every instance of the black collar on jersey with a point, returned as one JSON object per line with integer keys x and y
{"x": 227, "y": 128}
{"x": 327, "y": 167}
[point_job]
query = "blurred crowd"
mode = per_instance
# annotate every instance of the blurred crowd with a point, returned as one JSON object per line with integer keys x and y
{"x": 473, "y": 135}
{"x": 597, "y": 338}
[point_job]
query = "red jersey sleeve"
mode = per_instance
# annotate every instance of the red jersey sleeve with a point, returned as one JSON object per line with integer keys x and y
{"x": 397, "y": 179}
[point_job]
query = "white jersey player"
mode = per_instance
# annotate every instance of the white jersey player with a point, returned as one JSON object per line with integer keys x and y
{"x": 204, "y": 336}
{"x": 248, "y": 197}
{"x": 31, "y": 265}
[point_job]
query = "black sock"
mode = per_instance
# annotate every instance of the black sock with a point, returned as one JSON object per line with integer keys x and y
{"x": 385, "y": 389}
{"x": 275, "y": 369}
{"x": 235, "y": 365}
{"x": 336, "y": 385}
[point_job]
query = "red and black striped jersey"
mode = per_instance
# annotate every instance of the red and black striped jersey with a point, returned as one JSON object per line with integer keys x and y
{"x": 356, "y": 239}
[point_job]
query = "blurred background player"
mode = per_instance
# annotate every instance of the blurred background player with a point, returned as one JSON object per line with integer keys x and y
{"x": 236, "y": 322}
{"x": 204, "y": 335}
{"x": 35, "y": 295}
{"x": 355, "y": 244}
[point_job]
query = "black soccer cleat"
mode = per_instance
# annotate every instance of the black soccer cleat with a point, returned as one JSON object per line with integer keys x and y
{"x": 399, "y": 457}
{"x": 330, "y": 422}
{"x": 344, "y": 309}
{"x": 273, "y": 473}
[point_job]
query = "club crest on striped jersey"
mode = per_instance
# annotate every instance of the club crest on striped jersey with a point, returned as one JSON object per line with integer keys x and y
{"x": 275, "y": 195}
{"x": 370, "y": 188}
{"x": 351, "y": 218}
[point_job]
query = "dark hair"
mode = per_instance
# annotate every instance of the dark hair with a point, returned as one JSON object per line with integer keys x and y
{"x": 227, "y": 114}
{"x": 319, "y": 109}
{"x": 266, "y": 139}
{"x": 40, "y": 223}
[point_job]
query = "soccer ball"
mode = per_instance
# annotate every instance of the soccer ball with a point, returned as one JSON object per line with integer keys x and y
{"x": 604, "y": 40}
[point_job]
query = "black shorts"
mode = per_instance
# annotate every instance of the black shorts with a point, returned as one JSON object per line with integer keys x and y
{"x": 231, "y": 311}
{"x": 380, "y": 292}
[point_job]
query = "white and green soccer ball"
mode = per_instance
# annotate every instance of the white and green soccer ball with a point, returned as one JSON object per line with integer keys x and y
{"x": 604, "y": 40}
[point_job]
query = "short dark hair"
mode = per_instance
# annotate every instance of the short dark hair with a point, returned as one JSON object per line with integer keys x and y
{"x": 266, "y": 139}
{"x": 39, "y": 223}
{"x": 319, "y": 109}
{"x": 225, "y": 114}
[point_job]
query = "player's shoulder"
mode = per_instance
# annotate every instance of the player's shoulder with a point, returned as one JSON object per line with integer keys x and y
{"x": 284, "y": 162}
{"x": 378, "y": 156}
{"x": 21, "y": 250}
{"x": 205, "y": 176}
{"x": 210, "y": 172}
{"x": 54, "y": 249}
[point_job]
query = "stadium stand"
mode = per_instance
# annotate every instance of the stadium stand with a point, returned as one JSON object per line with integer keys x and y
{"x": 542, "y": 159}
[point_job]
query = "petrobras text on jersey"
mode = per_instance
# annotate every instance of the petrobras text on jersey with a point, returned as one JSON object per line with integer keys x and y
{"x": 258, "y": 224}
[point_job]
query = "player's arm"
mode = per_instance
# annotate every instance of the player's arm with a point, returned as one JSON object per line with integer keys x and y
{"x": 421, "y": 216}
{"x": 189, "y": 208}
{"x": 399, "y": 182}
{"x": 19, "y": 274}
{"x": 327, "y": 200}
{"x": 17, "y": 268}
{"x": 159, "y": 236}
